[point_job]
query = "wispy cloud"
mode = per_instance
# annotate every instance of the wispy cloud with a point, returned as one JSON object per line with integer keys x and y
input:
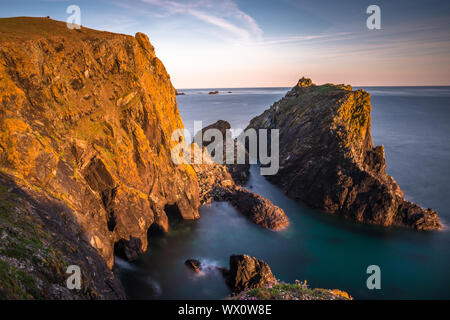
{"x": 306, "y": 38}
{"x": 224, "y": 15}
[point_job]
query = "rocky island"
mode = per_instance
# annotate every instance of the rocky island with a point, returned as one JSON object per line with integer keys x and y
{"x": 328, "y": 159}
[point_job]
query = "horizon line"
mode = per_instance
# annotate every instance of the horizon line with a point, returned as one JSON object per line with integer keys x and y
{"x": 353, "y": 86}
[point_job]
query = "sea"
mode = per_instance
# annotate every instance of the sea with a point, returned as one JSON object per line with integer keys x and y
{"x": 413, "y": 124}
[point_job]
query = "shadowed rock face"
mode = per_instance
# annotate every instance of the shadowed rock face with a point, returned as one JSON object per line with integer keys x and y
{"x": 248, "y": 273}
{"x": 328, "y": 160}
{"x": 86, "y": 117}
{"x": 40, "y": 239}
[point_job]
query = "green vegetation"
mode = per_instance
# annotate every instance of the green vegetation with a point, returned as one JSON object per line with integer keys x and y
{"x": 288, "y": 291}
{"x": 16, "y": 284}
{"x": 324, "y": 89}
{"x": 25, "y": 248}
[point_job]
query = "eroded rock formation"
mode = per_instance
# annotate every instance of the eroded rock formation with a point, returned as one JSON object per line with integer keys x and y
{"x": 248, "y": 273}
{"x": 329, "y": 161}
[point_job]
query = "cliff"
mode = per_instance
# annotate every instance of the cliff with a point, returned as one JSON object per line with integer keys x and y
{"x": 86, "y": 119}
{"x": 328, "y": 159}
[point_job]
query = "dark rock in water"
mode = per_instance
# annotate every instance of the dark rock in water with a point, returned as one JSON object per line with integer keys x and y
{"x": 213, "y": 92}
{"x": 217, "y": 184}
{"x": 248, "y": 273}
{"x": 198, "y": 267}
{"x": 239, "y": 172}
{"x": 259, "y": 209}
{"x": 194, "y": 264}
{"x": 179, "y": 93}
{"x": 328, "y": 159}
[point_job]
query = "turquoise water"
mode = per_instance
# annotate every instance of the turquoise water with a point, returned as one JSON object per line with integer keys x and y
{"x": 327, "y": 251}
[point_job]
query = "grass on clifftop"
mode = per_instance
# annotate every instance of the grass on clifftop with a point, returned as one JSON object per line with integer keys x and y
{"x": 28, "y": 28}
{"x": 288, "y": 291}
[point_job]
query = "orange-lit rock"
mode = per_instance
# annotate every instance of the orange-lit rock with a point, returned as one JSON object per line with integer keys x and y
{"x": 86, "y": 117}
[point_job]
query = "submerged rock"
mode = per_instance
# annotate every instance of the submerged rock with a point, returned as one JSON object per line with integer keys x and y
{"x": 328, "y": 159}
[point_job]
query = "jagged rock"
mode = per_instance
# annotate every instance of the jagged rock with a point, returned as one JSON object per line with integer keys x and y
{"x": 239, "y": 172}
{"x": 248, "y": 273}
{"x": 328, "y": 160}
{"x": 213, "y": 92}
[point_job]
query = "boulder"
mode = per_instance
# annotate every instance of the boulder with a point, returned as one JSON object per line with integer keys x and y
{"x": 194, "y": 265}
{"x": 248, "y": 273}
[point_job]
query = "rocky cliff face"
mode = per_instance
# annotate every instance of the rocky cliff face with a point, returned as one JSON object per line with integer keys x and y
{"x": 328, "y": 160}
{"x": 86, "y": 118}
{"x": 248, "y": 273}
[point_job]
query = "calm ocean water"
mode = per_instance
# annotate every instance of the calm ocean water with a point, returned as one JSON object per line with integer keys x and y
{"x": 413, "y": 123}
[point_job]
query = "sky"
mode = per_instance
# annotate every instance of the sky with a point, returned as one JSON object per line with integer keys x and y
{"x": 260, "y": 43}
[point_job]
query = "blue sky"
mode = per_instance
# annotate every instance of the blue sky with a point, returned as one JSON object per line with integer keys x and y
{"x": 231, "y": 43}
